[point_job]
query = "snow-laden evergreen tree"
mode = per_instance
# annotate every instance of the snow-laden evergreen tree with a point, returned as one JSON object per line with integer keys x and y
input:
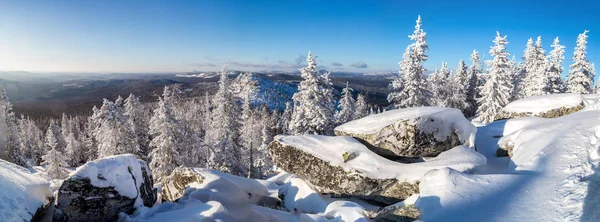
{"x": 113, "y": 135}
{"x": 440, "y": 86}
{"x": 284, "y": 120}
{"x": 9, "y": 131}
{"x": 165, "y": 130}
{"x": 313, "y": 109}
{"x": 397, "y": 85}
{"x": 498, "y": 87}
{"x": 346, "y": 107}
{"x": 555, "y": 68}
{"x": 224, "y": 133}
{"x": 73, "y": 150}
{"x": 463, "y": 83}
{"x": 581, "y": 75}
{"x": 414, "y": 92}
{"x": 137, "y": 121}
{"x": 54, "y": 160}
{"x": 472, "y": 93}
{"x": 65, "y": 129}
{"x": 31, "y": 143}
{"x": 535, "y": 81}
{"x": 362, "y": 108}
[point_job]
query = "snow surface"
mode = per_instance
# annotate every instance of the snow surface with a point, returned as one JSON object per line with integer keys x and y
{"x": 552, "y": 176}
{"x": 21, "y": 192}
{"x": 544, "y": 103}
{"x": 113, "y": 171}
{"x": 446, "y": 121}
{"x": 331, "y": 149}
{"x": 230, "y": 198}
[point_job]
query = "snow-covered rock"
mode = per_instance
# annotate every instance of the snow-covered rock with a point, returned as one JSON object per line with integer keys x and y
{"x": 321, "y": 161}
{"x": 412, "y": 132}
{"x": 24, "y": 196}
{"x": 229, "y": 198}
{"x": 211, "y": 185}
{"x": 553, "y": 176}
{"x": 547, "y": 106}
{"x": 100, "y": 189}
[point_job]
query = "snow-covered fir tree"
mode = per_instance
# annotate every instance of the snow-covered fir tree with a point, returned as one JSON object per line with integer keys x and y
{"x": 535, "y": 81}
{"x": 73, "y": 150}
{"x": 555, "y": 68}
{"x": 440, "y": 86}
{"x": 137, "y": 121}
{"x": 9, "y": 136}
{"x": 463, "y": 83}
{"x": 414, "y": 92}
{"x": 65, "y": 129}
{"x": 284, "y": 120}
{"x": 397, "y": 85}
{"x": 474, "y": 72}
{"x": 581, "y": 75}
{"x": 113, "y": 134}
{"x": 346, "y": 107}
{"x": 313, "y": 109}
{"x": 224, "y": 136}
{"x": 165, "y": 130}
{"x": 498, "y": 87}
{"x": 362, "y": 108}
{"x": 54, "y": 160}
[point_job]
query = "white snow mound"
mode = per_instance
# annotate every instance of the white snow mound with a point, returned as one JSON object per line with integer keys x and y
{"x": 332, "y": 149}
{"x": 553, "y": 176}
{"x": 544, "y": 103}
{"x": 446, "y": 121}
{"x": 114, "y": 172}
{"x": 21, "y": 192}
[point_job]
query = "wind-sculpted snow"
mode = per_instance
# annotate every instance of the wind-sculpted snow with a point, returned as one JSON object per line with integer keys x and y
{"x": 552, "y": 176}
{"x": 420, "y": 131}
{"x": 22, "y": 194}
{"x": 221, "y": 196}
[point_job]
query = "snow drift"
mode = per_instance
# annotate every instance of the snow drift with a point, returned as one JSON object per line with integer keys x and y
{"x": 553, "y": 176}
{"x": 23, "y": 195}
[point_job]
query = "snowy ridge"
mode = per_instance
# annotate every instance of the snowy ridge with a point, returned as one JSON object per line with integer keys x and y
{"x": 21, "y": 192}
{"x": 445, "y": 120}
{"x": 110, "y": 172}
{"x": 544, "y": 103}
{"x": 331, "y": 149}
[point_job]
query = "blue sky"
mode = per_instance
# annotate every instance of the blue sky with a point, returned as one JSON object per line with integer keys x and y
{"x": 356, "y": 36}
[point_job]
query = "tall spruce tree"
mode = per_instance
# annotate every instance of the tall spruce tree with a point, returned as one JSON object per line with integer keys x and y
{"x": 313, "y": 110}
{"x": 581, "y": 73}
{"x": 555, "y": 68}
{"x": 346, "y": 107}
{"x": 498, "y": 87}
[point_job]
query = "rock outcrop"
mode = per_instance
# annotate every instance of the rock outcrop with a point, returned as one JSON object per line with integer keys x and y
{"x": 546, "y": 106}
{"x": 320, "y": 161}
{"x": 101, "y": 189}
{"x": 411, "y": 132}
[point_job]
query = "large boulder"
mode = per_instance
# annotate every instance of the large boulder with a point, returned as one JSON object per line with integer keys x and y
{"x": 547, "y": 106}
{"x": 24, "y": 196}
{"x": 412, "y": 132}
{"x": 342, "y": 165}
{"x": 101, "y": 189}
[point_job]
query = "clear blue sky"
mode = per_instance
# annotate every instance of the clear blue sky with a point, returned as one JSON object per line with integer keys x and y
{"x": 179, "y": 36}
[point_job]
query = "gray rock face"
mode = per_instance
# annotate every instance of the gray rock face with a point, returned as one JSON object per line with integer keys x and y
{"x": 549, "y": 114}
{"x": 398, "y": 213}
{"x": 79, "y": 200}
{"x": 333, "y": 179}
{"x": 175, "y": 184}
{"x": 411, "y": 132}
